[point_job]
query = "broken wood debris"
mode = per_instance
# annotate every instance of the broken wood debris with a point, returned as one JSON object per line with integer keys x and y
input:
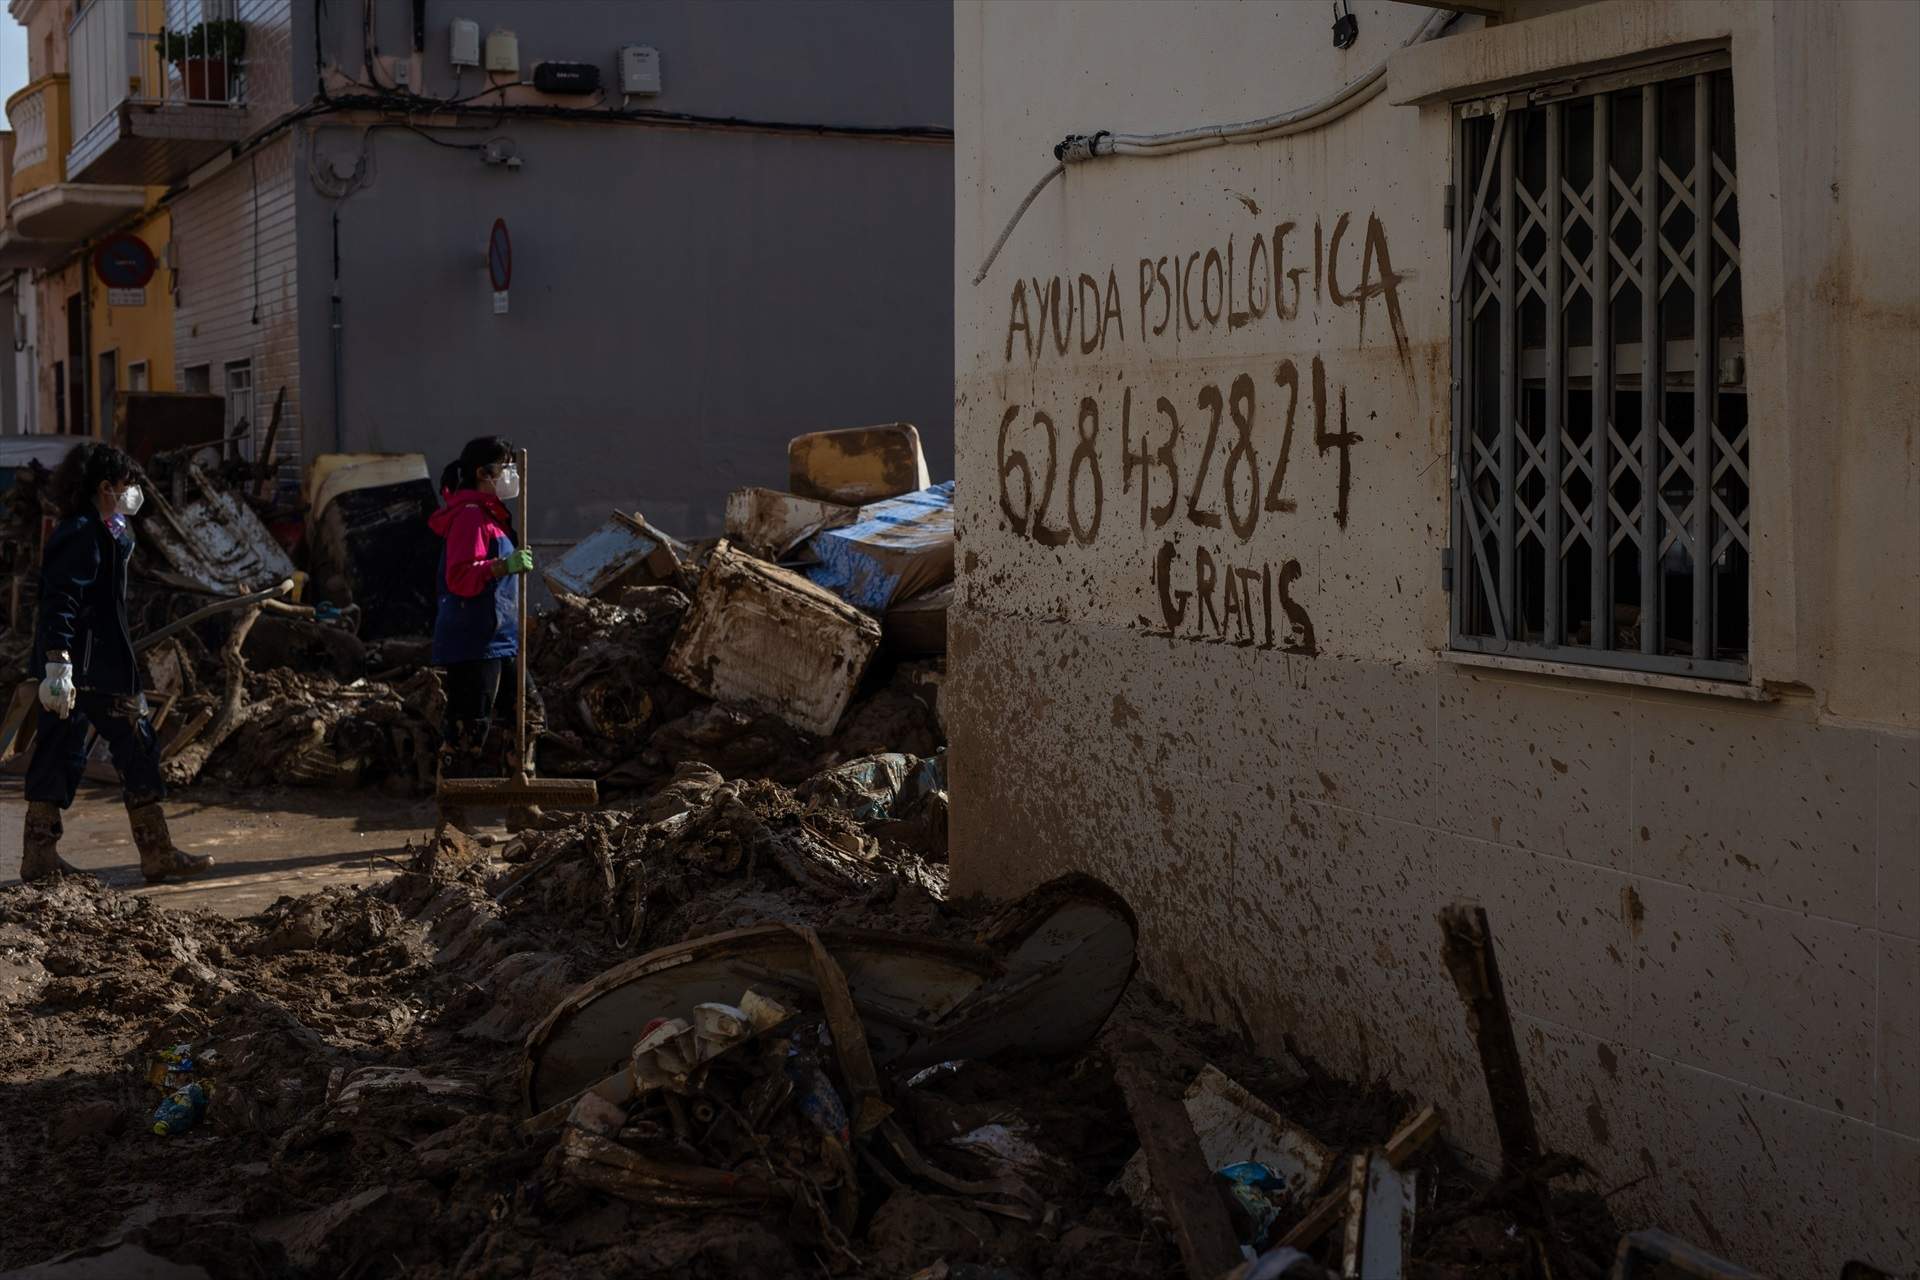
{"x": 1356, "y": 1198}
{"x": 1181, "y": 1174}
{"x": 772, "y": 525}
{"x": 1468, "y": 950}
{"x": 1232, "y": 1125}
{"x": 1467, "y": 947}
{"x": 1401, "y": 1150}
{"x": 1386, "y": 1231}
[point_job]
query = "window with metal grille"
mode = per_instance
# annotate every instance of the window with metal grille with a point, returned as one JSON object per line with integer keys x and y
{"x": 1600, "y": 485}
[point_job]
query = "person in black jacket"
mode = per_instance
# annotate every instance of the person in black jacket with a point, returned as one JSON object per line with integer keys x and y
{"x": 89, "y": 676}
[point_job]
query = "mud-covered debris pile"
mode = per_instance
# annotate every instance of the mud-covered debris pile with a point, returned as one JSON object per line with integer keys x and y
{"x": 599, "y": 665}
{"x": 739, "y": 1029}
{"x": 612, "y": 712}
{"x": 646, "y": 661}
{"x": 307, "y": 704}
{"x": 702, "y": 855}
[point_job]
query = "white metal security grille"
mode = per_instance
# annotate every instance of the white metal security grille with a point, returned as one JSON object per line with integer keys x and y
{"x": 1600, "y": 412}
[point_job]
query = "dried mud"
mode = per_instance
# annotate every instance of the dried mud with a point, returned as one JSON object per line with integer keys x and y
{"x": 365, "y": 1053}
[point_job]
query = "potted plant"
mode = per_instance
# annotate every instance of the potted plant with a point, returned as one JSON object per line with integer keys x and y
{"x": 204, "y": 54}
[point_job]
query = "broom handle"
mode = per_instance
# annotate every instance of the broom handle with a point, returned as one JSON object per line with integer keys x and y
{"x": 520, "y": 656}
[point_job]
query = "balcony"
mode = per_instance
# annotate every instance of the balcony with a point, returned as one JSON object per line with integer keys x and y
{"x": 47, "y": 216}
{"x": 10, "y": 258}
{"x": 38, "y": 114}
{"x": 139, "y": 117}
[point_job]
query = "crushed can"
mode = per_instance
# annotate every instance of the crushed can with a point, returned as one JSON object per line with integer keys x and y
{"x": 182, "y": 1110}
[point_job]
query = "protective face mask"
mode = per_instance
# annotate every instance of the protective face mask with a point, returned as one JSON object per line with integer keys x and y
{"x": 506, "y": 485}
{"x": 129, "y": 501}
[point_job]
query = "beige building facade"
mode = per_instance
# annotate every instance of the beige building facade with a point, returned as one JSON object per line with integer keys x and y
{"x": 1323, "y": 558}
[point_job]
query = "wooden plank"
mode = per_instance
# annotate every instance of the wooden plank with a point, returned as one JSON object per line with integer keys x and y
{"x": 1327, "y": 1212}
{"x": 1413, "y": 1136}
{"x": 1181, "y": 1178}
{"x": 1388, "y": 1229}
{"x": 1467, "y": 947}
{"x": 1355, "y": 1197}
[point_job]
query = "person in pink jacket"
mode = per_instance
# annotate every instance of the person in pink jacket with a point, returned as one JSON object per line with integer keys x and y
{"x": 476, "y": 628}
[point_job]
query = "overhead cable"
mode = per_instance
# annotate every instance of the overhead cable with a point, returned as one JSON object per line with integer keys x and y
{"x": 1079, "y": 148}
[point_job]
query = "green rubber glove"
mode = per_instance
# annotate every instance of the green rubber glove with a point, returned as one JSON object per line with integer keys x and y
{"x": 520, "y": 561}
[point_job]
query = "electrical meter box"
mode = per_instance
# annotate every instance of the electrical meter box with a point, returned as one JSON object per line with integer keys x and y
{"x": 503, "y": 52}
{"x": 640, "y": 69}
{"x": 465, "y": 40}
{"x": 566, "y": 77}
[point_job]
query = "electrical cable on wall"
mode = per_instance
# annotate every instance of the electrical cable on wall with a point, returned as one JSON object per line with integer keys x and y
{"x": 410, "y": 105}
{"x": 254, "y": 175}
{"x": 334, "y": 185}
{"x": 1078, "y": 148}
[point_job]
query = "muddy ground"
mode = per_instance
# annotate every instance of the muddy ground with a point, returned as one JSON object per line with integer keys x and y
{"x": 365, "y": 1048}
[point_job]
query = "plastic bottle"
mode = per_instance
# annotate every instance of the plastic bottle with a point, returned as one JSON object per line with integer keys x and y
{"x": 181, "y": 1111}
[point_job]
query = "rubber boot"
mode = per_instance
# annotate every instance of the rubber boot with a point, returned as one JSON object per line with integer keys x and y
{"x": 159, "y": 857}
{"x": 451, "y": 814}
{"x": 40, "y": 845}
{"x": 459, "y": 758}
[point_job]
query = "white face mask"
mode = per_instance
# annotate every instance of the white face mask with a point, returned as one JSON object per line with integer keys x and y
{"x": 129, "y": 501}
{"x": 506, "y": 485}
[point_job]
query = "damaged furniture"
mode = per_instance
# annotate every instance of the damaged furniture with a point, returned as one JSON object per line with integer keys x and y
{"x": 764, "y": 637}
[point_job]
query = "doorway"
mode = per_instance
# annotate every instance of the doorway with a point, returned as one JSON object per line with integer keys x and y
{"x": 108, "y": 380}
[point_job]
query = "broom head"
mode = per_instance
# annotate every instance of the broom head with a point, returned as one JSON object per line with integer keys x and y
{"x": 559, "y": 793}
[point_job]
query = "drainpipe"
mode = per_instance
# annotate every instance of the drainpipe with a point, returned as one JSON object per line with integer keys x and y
{"x": 339, "y": 438}
{"x": 80, "y": 376}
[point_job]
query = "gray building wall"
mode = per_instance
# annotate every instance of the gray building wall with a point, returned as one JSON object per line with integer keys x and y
{"x": 683, "y": 300}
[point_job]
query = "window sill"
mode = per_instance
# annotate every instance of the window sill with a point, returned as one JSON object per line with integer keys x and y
{"x": 1729, "y": 689}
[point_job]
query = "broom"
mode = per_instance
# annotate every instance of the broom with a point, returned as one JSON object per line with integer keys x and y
{"x": 522, "y": 788}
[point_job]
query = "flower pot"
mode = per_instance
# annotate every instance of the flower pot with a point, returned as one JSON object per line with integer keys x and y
{"x": 206, "y": 79}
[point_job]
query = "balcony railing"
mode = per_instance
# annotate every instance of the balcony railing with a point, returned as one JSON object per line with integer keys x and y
{"x": 38, "y": 114}
{"x": 148, "y": 106}
{"x": 112, "y": 63}
{"x": 207, "y": 76}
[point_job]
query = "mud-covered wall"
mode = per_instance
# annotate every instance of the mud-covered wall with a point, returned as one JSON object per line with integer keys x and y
{"x": 1208, "y": 661}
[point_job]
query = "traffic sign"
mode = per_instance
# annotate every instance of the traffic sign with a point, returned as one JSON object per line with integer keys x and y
{"x": 124, "y": 262}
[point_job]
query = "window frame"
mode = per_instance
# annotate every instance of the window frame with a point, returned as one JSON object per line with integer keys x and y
{"x": 228, "y": 369}
{"x": 1484, "y": 203}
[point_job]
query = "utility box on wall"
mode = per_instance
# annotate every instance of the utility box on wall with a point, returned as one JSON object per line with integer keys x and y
{"x": 464, "y": 43}
{"x": 640, "y": 70}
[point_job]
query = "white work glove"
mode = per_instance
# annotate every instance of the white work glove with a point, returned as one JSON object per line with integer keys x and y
{"x": 57, "y": 693}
